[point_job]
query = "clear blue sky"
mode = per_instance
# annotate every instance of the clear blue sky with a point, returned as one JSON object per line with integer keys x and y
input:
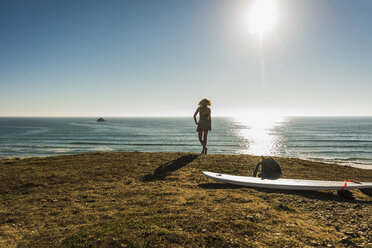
{"x": 149, "y": 58}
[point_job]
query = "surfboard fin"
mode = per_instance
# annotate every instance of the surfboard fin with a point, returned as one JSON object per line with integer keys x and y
{"x": 345, "y": 193}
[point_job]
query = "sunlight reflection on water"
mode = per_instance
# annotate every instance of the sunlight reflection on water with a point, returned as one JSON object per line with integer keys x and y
{"x": 259, "y": 135}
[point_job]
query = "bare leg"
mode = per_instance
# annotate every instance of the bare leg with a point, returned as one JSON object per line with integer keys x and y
{"x": 205, "y": 134}
{"x": 200, "y": 133}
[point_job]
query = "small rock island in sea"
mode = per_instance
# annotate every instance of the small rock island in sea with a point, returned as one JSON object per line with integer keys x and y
{"x": 100, "y": 120}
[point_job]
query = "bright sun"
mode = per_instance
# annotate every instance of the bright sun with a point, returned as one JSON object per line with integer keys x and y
{"x": 263, "y": 16}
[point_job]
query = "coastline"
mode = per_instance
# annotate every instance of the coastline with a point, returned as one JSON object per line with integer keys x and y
{"x": 135, "y": 199}
{"x": 321, "y": 139}
{"x": 316, "y": 160}
{"x": 336, "y": 161}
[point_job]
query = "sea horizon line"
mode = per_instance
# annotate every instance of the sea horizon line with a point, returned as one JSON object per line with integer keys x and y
{"x": 185, "y": 116}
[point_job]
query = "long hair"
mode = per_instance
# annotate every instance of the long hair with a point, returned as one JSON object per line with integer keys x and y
{"x": 204, "y": 102}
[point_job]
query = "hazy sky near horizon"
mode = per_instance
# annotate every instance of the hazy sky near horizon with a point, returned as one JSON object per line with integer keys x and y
{"x": 150, "y": 58}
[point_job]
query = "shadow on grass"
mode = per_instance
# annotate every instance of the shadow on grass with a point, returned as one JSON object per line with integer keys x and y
{"x": 316, "y": 195}
{"x": 164, "y": 170}
{"x": 219, "y": 186}
{"x": 310, "y": 194}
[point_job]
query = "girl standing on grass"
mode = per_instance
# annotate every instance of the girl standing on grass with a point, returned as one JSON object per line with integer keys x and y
{"x": 204, "y": 123}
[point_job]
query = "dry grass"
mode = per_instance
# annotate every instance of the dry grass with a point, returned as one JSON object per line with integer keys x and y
{"x": 132, "y": 199}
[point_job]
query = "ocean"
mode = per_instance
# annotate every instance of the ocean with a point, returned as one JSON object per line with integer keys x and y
{"x": 342, "y": 140}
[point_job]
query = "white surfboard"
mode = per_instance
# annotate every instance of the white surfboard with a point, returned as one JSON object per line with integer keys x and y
{"x": 287, "y": 184}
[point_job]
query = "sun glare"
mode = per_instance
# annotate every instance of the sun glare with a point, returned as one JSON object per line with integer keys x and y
{"x": 263, "y": 16}
{"x": 258, "y": 134}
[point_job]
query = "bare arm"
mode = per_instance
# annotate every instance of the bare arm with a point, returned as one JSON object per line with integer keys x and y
{"x": 196, "y": 113}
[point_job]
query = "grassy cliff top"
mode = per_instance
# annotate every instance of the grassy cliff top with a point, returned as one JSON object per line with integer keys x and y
{"x": 133, "y": 199}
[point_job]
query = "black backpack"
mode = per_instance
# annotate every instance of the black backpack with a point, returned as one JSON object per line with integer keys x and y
{"x": 270, "y": 169}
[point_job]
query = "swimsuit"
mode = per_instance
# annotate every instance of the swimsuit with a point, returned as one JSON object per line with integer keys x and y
{"x": 204, "y": 124}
